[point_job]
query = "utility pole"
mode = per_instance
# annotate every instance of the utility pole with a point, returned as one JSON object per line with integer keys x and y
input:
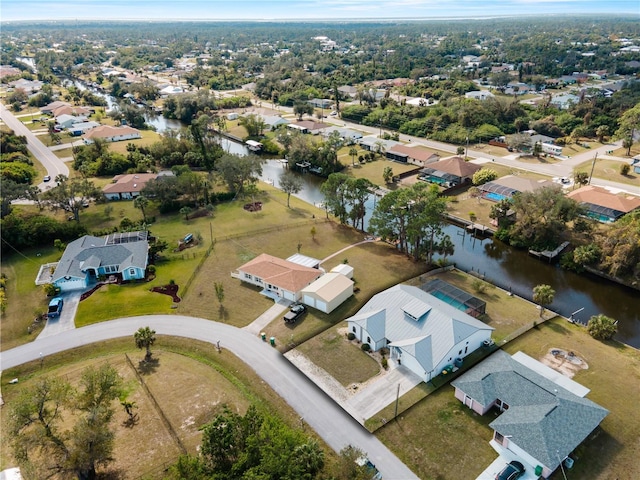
{"x": 395, "y": 415}
{"x": 593, "y": 166}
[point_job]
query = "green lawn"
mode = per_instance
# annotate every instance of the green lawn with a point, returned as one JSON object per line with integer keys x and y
{"x": 24, "y": 298}
{"x": 609, "y": 170}
{"x": 342, "y": 359}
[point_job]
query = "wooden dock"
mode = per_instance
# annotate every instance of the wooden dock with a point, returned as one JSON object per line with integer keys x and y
{"x": 550, "y": 254}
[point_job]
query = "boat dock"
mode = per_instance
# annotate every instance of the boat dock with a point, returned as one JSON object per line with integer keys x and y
{"x": 550, "y": 254}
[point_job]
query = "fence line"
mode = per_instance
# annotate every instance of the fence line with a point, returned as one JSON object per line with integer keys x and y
{"x": 163, "y": 417}
{"x": 196, "y": 270}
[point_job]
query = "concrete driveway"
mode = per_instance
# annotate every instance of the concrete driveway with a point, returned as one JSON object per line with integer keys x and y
{"x": 320, "y": 412}
{"x": 66, "y": 320}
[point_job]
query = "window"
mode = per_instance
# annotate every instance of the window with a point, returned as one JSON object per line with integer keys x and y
{"x": 132, "y": 271}
{"x": 466, "y": 349}
{"x": 247, "y": 276}
{"x": 460, "y": 352}
{"x": 354, "y": 329}
{"x": 368, "y": 339}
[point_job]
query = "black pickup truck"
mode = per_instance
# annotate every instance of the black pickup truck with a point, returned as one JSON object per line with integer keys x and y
{"x": 295, "y": 312}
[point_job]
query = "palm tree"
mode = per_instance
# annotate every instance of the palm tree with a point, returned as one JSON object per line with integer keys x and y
{"x": 353, "y": 151}
{"x": 145, "y": 337}
{"x": 141, "y": 202}
{"x": 543, "y": 295}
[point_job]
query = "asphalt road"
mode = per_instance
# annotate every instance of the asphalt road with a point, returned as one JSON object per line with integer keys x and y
{"x": 53, "y": 164}
{"x": 320, "y": 412}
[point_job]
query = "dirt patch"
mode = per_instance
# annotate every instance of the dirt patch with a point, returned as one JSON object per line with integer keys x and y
{"x": 566, "y": 362}
{"x": 171, "y": 290}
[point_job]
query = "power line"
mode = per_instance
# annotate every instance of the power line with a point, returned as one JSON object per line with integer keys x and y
{"x": 18, "y": 251}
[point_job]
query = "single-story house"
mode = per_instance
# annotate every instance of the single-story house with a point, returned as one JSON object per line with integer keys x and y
{"x": 49, "y": 109}
{"x": 348, "y": 90}
{"x": 66, "y": 121}
{"x": 309, "y": 126}
{"x": 111, "y": 134}
{"x": 507, "y": 186}
{"x": 171, "y": 90}
{"x": 449, "y": 172}
{"x": 414, "y": 155}
{"x": 28, "y": 86}
{"x": 71, "y": 110}
{"x": 479, "y": 95}
{"x": 122, "y": 255}
{"x": 347, "y": 134}
{"x": 635, "y": 164}
{"x": 328, "y": 292}
{"x": 277, "y": 277}
{"x": 543, "y": 415}
{"x": 274, "y": 121}
{"x": 320, "y": 103}
{"x": 78, "y": 129}
{"x": 422, "y": 332}
{"x": 564, "y": 100}
{"x": 372, "y": 143}
{"x": 603, "y": 205}
{"x": 126, "y": 187}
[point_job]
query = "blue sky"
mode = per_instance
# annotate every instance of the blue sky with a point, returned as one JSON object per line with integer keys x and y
{"x": 299, "y": 9}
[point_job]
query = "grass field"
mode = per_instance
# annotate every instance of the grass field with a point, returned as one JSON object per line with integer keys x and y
{"x": 609, "y": 170}
{"x": 191, "y": 383}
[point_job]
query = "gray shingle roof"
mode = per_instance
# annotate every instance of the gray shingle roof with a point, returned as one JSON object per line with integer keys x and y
{"x": 92, "y": 252}
{"x": 444, "y": 324}
{"x": 544, "y": 419}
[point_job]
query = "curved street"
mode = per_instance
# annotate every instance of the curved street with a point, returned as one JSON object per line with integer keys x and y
{"x": 333, "y": 424}
{"x": 43, "y": 154}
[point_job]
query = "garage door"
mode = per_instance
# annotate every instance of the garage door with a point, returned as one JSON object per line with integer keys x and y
{"x": 309, "y": 300}
{"x": 322, "y": 306}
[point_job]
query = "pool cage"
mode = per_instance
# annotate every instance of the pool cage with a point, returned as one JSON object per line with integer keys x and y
{"x": 456, "y": 297}
{"x": 601, "y": 213}
{"x": 496, "y": 188}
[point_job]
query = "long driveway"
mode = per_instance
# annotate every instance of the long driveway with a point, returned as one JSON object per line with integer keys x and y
{"x": 46, "y": 157}
{"x": 320, "y": 412}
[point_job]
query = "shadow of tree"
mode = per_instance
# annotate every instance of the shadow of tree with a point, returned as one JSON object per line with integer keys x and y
{"x": 131, "y": 421}
{"x": 147, "y": 367}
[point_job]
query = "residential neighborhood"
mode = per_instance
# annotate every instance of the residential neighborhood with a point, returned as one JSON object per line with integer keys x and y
{"x": 354, "y": 249}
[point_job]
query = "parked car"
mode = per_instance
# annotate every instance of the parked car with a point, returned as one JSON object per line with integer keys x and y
{"x": 512, "y": 471}
{"x": 370, "y": 467}
{"x": 295, "y": 312}
{"x": 47, "y": 178}
{"x": 55, "y": 307}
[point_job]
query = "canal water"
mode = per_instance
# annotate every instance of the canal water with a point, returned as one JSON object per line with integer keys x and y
{"x": 516, "y": 270}
{"x": 509, "y": 268}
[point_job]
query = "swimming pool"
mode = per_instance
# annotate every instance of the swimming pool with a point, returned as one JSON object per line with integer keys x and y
{"x": 496, "y": 197}
{"x": 451, "y": 301}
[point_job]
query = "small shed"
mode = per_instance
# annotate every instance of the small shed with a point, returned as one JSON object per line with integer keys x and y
{"x": 328, "y": 292}
{"x": 344, "y": 269}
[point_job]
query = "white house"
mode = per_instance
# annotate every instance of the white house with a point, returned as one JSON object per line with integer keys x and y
{"x": 278, "y": 278}
{"x": 328, "y": 292}
{"x": 543, "y": 415}
{"x": 422, "y": 332}
{"x": 120, "y": 255}
{"x": 66, "y": 121}
{"x": 111, "y": 134}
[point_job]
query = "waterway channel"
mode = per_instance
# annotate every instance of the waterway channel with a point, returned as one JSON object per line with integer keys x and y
{"x": 503, "y": 265}
{"x": 516, "y": 270}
